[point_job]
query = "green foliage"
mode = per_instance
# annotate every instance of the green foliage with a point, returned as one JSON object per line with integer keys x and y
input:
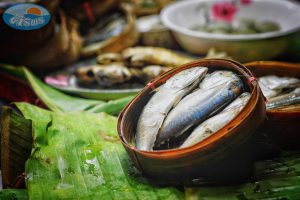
{"x": 78, "y": 155}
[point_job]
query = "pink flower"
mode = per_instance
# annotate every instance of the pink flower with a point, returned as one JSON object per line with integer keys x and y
{"x": 246, "y": 2}
{"x": 224, "y": 11}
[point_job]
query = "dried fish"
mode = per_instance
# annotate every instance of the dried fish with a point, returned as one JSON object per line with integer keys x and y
{"x": 104, "y": 75}
{"x": 142, "y": 56}
{"x": 86, "y": 75}
{"x": 108, "y": 58}
{"x": 161, "y": 102}
{"x": 109, "y": 76}
{"x": 153, "y": 71}
{"x": 215, "y": 123}
{"x": 113, "y": 26}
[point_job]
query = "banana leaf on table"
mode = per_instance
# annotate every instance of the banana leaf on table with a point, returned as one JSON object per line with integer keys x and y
{"x": 58, "y": 101}
{"x": 78, "y": 156}
{"x": 273, "y": 179}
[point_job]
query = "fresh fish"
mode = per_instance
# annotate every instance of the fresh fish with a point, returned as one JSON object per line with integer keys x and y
{"x": 272, "y": 85}
{"x": 162, "y": 101}
{"x": 215, "y": 123}
{"x": 268, "y": 93}
{"x": 291, "y": 98}
{"x": 195, "y": 108}
{"x": 219, "y": 77}
{"x": 142, "y": 56}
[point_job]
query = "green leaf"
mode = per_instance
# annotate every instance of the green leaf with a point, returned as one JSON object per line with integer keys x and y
{"x": 78, "y": 155}
{"x": 60, "y": 102}
{"x": 11, "y": 194}
{"x": 273, "y": 179}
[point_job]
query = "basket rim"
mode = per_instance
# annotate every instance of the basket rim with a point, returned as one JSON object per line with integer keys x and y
{"x": 280, "y": 65}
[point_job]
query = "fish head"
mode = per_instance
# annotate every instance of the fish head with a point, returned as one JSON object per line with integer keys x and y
{"x": 217, "y": 78}
{"x": 236, "y": 87}
{"x": 186, "y": 77}
{"x": 108, "y": 76}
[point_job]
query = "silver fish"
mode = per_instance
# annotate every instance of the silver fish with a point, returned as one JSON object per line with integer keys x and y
{"x": 285, "y": 100}
{"x": 162, "y": 101}
{"x": 195, "y": 108}
{"x": 219, "y": 77}
{"x": 215, "y": 123}
{"x": 272, "y": 85}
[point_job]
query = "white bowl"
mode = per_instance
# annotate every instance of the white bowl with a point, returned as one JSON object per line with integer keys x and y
{"x": 181, "y": 16}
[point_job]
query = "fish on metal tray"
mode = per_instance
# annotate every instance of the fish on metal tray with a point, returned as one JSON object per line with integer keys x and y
{"x": 104, "y": 75}
{"x": 196, "y": 107}
{"x": 216, "y": 122}
{"x": 166, "y": 96}
{"x": 108, "y": 58}
{"x": 142, "y": 56}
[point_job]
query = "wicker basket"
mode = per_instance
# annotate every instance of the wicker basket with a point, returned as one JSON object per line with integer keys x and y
{"x": 281, "y": 125}
{"x": 223, "y": 157}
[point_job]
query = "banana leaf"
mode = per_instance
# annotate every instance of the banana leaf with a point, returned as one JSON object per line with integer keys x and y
{"x": 78, "y": 156}
{"x": 12, "y": 194}
{"x": 60, "y": 102}
{"x": 273, "y": 179}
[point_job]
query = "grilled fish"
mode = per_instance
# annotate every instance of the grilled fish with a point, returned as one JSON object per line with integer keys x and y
{"x": 142, "y": 56}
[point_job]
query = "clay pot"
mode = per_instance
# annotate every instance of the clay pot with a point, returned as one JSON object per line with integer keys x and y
{"x": 225, "y": 156}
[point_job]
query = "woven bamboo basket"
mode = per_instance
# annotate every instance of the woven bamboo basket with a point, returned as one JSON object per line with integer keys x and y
{"x": 225, "y": 156}
{"x": 281, "y": 125}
